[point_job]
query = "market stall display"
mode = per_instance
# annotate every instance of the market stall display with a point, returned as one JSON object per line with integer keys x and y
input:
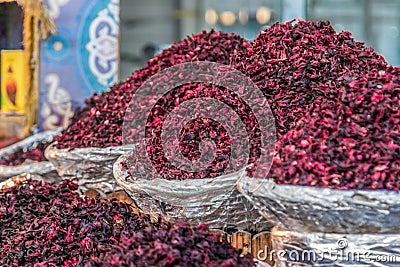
{"x": 203, "y": 195}
{"x": 27, "y": 156}
{"x": 325, "y": 62}
{"x": 353, "y": 146}
{"x": 336, "y": 173}
{"x": 43, "y": 224}
{"x": 332, "y": 175}
{"x": 90, "y": 146}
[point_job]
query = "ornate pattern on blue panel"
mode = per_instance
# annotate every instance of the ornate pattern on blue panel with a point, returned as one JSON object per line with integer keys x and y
{"x": 98, "y": 45}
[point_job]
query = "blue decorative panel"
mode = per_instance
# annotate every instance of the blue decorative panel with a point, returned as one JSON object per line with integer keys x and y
{"x": 80, "y": 60}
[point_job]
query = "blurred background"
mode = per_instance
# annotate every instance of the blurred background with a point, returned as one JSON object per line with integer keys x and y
{"x": 148, "y": 26}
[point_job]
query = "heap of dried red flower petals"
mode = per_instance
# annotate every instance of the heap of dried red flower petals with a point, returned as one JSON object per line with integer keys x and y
{"x": 300, "y": 63}
{"x": 47, "y": 225}
{"x": 196, "y": 131}
{"x": 101, "y": 124}
{"x": 32, "y": 154}
{"x": 354, "y": 144}
{"x": 295, "y": 65}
